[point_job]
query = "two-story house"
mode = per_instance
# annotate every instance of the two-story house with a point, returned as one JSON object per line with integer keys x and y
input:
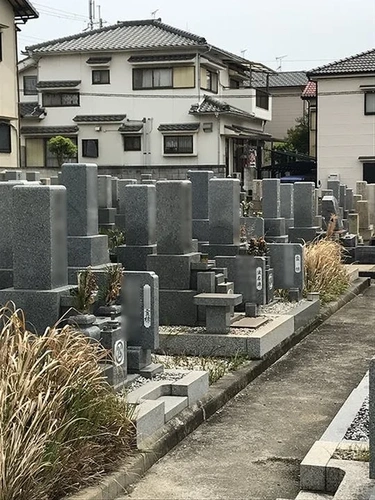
{"x": 285, "y": 88}
{"x": 142, "y": 95}
{"x": 12, "y": 13}
{"x": 345, "y": 106}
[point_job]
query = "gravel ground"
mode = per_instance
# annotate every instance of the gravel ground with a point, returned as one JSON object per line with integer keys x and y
{"x": 170, "y": 375}
{"x": 279, "y": 307}
{"x": 359, "y": 428}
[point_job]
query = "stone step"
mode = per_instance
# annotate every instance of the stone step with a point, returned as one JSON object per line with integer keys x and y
{"x": 173, "y": 405}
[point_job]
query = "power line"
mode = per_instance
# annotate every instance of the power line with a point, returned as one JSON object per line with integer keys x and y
{"x": 52, "y": 10}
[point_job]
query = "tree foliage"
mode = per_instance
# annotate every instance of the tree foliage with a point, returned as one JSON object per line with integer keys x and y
{"x": 63, "y": 147}
{"x": 297, "y": 137}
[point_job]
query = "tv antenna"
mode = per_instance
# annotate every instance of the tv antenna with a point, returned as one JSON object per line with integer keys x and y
{"x": 243, "y": 52}
{"x": 91, "y": 14}
{"x": 153, "y": 13}
{"x": 279, "y": 61}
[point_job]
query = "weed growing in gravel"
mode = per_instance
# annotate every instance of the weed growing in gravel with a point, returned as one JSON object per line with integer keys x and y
{"x": 216, "y": 367}
{"x": 358, "y": 453}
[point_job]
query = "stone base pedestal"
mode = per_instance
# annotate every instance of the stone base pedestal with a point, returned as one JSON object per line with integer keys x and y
{"x": 73, "y": 271}
{"x": 213, "y": 250}
{"x": 41, "y": 307}
{"x": 107, "y": 215}
{"x": 134, "y": 258}
{"x": 173, "y": 270}
{"x": 6, "y": 278}
{"x": 302, "y": 234}
{"x": 254, "y": 226}
{"x": 84, "y": 251}
{"x": 274, "y": 227}
{"x": 120, "y": 221}
{"x": 177, "y": 307}
{"x": 200, "y": 229}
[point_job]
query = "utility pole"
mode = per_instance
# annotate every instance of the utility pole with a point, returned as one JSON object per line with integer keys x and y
{"x": 100, "y": 22}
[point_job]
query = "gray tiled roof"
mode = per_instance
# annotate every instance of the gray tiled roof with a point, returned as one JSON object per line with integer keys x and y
{"x": 127, "y": 127}
{"x": 210, "y": 105}
{"x": 122, "y": 36}
{"x": 99, "y": 118}
{"x": 23, "y": 10}
{"x": 52, "y": 84}
{"x": 31, "y": 110}
{"x": 359, "y": 63}
{"x": 171, "y": 57}
{"x": 282, "y": 79}
{"x": 178, "y": 127}
{"x": 50, "y": 131}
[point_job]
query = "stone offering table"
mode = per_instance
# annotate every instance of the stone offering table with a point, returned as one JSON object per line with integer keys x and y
{"x": 218, "y": 309}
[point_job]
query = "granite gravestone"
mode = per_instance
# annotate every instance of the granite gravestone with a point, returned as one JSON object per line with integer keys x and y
{"x": 140, "y": 297}
{"x": 39, "y": 243}
{"x": 175, "y": 254}
{"x": 140, "y": 226}
{"x": 287, "y": 204}
{"x": 199, "y": 181}
{"x": 288, "y": 265}
{"x": 106, "y": 212}
{"x": 304, "y": 213}
{"x": 274, "y": 224}
{"x": 224, "y": 216}
{"x": 85, "y": 246}
{"x": 120, "y": 216}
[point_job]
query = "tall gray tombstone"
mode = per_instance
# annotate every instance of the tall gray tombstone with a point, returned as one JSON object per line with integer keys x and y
{"x": 106, "y": 212}
{"x": 343, "y": 196}
{"x": 274, "y": 223}
{"x": 6, "y": 242}
{"x": 361, "y": 188}
{"x": 199, "y": 182}
{"x": 39, "y": 241}
{"x": 120, "y": 216}
{"x": 271, "y": 203}
{"x": 85, "y": 246}
{"x": 335, "y": 186}
{"x": 224, "y": 216}
{"x": 330, "y": 207}
{"x": 287, "y": 204}
{"x": 349, "y": 205}
{"x": 115, "y": 181}
{"x": 140, "y": 298}
{"x": 175, "y": 254}
{"x": 304, "y": 213}
{"x": 140, "y": 226}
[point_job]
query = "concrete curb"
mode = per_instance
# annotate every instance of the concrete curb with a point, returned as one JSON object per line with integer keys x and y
{"x": 188, "y": 420}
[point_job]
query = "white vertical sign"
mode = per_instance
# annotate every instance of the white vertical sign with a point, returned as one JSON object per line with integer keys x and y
{"x": 147, "y": 306}
{"x": 297, "y": 264}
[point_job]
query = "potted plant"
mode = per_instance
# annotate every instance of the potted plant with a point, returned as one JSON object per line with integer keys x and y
{"x": 109, "y": 291}
{"x": 85, "y": 296}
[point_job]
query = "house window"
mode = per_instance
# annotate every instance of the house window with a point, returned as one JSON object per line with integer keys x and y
{"x": 90, "y": 148}
{"x": 234, "y": 84}
{"x": 369, "y": 172}
{"x": 100, "y": 76}
{"x": 5, "y": 138}
{"x": 29, "y": 85}
{"x": 178, "y": 144}
{"x": 60, "y": 99}
{"x": 370, "y": 103}
{"x": 209, "y": 80}
{"x": 152, "y": 78}
{"x": 132, "y": 143}
{"x": 262, "y": 99}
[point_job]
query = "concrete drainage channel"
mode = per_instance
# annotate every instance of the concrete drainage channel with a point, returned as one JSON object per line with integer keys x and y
{"x": 322, "y": 474}
{"x": 154, "y": 447}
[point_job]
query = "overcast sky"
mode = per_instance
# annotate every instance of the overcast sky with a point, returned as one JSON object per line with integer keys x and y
{"x": 308, "y": 33}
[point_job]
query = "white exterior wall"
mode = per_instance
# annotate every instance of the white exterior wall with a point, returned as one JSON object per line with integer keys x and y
{"x": 344, "y": 131}
{"x": 137, "y": 105}
{"x": 287, "y": 106}
{"x": 8, "y": 82}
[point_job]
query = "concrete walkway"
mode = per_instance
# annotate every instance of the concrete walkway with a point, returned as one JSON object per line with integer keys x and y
{"x": 251, "y": 449}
